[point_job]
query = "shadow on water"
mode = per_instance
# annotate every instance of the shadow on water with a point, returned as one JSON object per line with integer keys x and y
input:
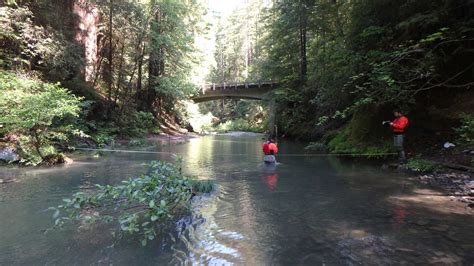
{"x": 305, "y": 210}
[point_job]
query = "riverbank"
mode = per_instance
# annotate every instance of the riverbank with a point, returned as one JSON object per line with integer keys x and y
{"x": 458, "y": 185}
{"x": 455, "y": 180}
{"x": 449, "y": 167}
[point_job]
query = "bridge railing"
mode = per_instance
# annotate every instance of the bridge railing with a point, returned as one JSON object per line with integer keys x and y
{"x": 234, "y": 85}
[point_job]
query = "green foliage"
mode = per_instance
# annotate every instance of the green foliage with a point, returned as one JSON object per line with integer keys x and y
{"x": 238, "y": 124}
{"x": 105, "y": 136}
{"x": 247, "y": 115}
{"x": 34, "y": 109}
{"x": 137, "y": 142}
{"x": 137, "y": 124}
{"x": 27, "y": 45}
{"x": 236, "y": 41}
{"x": 142, "y": 206}
{"x": 133, "y": 124}
{"x": 363, "y": 53}
{"x": 421, "y": 165}
{"x": 28, "y": 103}
{"x": 343, "y": 142}
{"x": 466, "y": 130}
{"x": 316, "y": 147}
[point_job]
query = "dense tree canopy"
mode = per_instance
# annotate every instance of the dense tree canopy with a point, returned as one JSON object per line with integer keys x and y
{"x": 336, "y": 57}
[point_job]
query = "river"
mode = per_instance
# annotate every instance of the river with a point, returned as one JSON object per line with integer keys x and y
{"x": 310, "y": 210}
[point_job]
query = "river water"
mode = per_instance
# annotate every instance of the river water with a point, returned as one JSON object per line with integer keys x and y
{"x": 308, "y": 210}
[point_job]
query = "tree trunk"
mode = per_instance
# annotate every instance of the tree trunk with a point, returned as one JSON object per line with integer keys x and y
{"x": 139, "y": 74}
{"x": 120, "y": 73}
{"x": 156, "y": 66}
{"x": 86, "y": 34}
{"x": 110, "y": 57}
{"x": 37, "y": 143}
{"x": 302, "y": 34}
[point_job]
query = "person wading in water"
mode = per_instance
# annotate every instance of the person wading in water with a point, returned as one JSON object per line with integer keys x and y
{"x": 269, "y": 149}
{"x": 398, "y": 127}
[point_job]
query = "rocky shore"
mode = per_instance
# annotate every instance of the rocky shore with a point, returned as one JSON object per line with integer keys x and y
{"x": 459, "y": 185}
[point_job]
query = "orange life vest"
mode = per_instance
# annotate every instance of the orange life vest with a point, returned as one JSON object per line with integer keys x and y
{"x": 269, "y": 148}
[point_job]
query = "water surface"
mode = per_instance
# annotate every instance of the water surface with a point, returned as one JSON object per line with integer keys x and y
{"x": 310, "y": 210}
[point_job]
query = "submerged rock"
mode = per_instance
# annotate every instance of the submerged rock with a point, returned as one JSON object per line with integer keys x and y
{"x": 9, "y": 154}
{"x": 7, "y": 180}
{"x": 55, "y": 159}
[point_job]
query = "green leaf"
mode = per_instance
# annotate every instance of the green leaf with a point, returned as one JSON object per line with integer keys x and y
{"x": 152, "y": 204}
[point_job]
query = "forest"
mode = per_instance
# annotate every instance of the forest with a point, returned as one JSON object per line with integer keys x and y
{"x": 103, "y": 70}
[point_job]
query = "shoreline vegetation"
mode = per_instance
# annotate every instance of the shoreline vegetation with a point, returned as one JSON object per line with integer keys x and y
{"x": 142, "y": 207}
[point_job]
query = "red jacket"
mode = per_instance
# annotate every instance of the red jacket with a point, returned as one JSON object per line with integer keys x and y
{"x": 400, "y": 124}
{"x": 269, "y": 148}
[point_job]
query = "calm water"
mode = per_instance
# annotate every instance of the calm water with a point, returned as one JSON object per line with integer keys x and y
{"x": 306, "y": 210}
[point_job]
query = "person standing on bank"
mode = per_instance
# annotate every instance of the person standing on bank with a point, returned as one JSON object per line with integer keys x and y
{"x": 269, "y": 149}
{"x": 399, "y": 126}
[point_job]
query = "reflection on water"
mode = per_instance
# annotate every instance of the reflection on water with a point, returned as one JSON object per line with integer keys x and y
{"x": 270, "y": 175}
{"x": 305, "y": 210}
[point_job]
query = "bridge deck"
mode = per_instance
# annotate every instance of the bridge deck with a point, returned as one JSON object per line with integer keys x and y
{"x": 236, "y": 90}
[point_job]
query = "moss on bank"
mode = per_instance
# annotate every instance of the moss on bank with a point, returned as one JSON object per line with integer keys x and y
{"x": 362, "y": 135}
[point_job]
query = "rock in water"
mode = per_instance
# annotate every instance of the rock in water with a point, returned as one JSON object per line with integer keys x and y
{"x": 55, "y": 159}
{"x": 8, "y": 154}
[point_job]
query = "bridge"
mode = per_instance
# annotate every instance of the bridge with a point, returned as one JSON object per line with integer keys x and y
{"x": 236, "y": 90}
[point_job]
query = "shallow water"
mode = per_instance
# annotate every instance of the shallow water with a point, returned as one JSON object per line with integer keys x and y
{"x": 306, "y": 210}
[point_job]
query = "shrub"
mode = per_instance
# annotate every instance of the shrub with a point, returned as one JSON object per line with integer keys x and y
{"x": 317, "y": 147}
{"x": 421, "y": 165}
{"x": 138, "y": 206}
{"x": 136, "y": 124}
{"x": 342, "y": 142}
{"x": 466, "y": 130}
{"x": 34, "y": 109}
{"x": 137, "y": 142}
{"x": 238, "y": 124}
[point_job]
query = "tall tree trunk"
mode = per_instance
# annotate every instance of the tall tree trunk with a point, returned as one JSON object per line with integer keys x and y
{"x": 86, "y": 34}
{"x": 302, "y": 34}
{"x": 110, "y": 57}
{"x": 120, "y": 74}
{"x": 139, "y": 75}
{"x": 154, "y": 64}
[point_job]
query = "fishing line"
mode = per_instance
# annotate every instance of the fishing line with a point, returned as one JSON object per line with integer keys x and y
{"x": 245, "y": 154}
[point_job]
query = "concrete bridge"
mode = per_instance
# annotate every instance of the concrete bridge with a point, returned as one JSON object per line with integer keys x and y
{"x": 242, "y": 90}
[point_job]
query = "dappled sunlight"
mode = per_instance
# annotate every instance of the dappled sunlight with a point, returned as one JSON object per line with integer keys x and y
{"x": 433, "y": 200}
{"x": 199, "y": 121}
